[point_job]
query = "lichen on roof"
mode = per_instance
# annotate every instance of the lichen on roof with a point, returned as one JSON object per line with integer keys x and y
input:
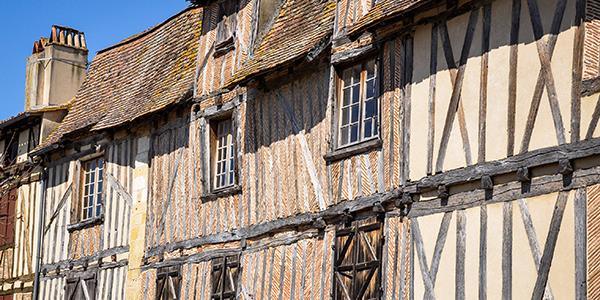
{"x": 135, "y": 77}
{"x": 299, "y": 27}
{"x": 384, "y": 10}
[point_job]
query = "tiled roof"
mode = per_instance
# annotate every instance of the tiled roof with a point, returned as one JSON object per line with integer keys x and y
{"x": 383, "y": 10}
{"x": 137, "y": 76}
{"x": 31, "y": 113}
{"x": 300, "y": 26}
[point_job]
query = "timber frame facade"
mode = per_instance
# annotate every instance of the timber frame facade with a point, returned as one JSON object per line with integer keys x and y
{"x": 349, "y": 149}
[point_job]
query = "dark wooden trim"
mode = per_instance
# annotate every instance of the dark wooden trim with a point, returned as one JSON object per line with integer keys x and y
{"x": 539, "y": 87}
{"x": 431, "y": 100}
{"x": 546, "y": 261}
{"x": 546, "y": 67}
{"x": 224, "y": 192}
{"x": 485, "y": 49}
{"x": 352, "y": 55}
{"x": 85, "y": 224}
{"x": 362, "y": 147}
{"x": 455, "y": 104}
{"x": 581, "y": 236}
{"x": 461, "y": 244}
{"x": 590, "y": 86}
{"x": 483, "y": 232}
{"x": 512, "y": 75}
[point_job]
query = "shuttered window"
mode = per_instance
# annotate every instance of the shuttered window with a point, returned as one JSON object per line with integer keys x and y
{"x": 359, "y": 104}
{"x": 224, "y": 277}
{"x": 168, "y": 283}
{"x": 8, "y": 201}
{"x": 226, "y": 22}
{"x": 81, "y": 288}
{"x": 92, "y": 188}
{"x": 358, "y": 249}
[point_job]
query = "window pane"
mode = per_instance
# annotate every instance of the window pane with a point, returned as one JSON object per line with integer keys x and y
{"x": 370, "y": 108}
{"x": 345, "y": 115}
{"x": 368, "y": 128}
{"x": 344, "y": 132}
{"x": 371, "y": 88}
{"x": 346, "y": 96}
{"x": 355, "y": 111}
{"x": 354, "y": 133}
{"x": 356, "y": 94}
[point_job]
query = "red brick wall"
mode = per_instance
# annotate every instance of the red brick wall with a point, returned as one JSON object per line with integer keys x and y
{"x": 591, "y": 52}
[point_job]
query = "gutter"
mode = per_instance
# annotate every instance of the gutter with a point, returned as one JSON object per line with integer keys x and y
{"x": 38, "y": 263}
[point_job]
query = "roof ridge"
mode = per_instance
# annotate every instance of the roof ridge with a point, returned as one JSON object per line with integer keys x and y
{"x": 147, "y": 31}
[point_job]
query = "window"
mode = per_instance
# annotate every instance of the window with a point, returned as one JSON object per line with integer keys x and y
{"x": 226, "y": 19}
{"x": 224, "y": 277}
{"x": 81, "y": 288}
{"x": 357, "y": 267}
{"x": 223, "y": 154}
{"x": 8, "y": 200}
{"x": 92, "y": 184}
{"x": 359, "y": 104}
{"x": 168, "y": 282}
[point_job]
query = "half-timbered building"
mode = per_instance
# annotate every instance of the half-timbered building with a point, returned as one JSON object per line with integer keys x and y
{"x": 350, "y": 149}
{"x": 54, "y": 72}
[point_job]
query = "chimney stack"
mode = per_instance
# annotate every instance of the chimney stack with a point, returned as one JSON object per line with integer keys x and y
{"x": 56, "y": 68}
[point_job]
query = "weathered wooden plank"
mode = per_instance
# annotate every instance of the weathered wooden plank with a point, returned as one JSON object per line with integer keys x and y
{"x": 483, "y": 231}
{"x": 455, "y": 104}
{"x": 581, "y": 244}
{"x": 483, "y": 85}
{"x": 533, "y": 241}
{"x": 461, "y": 244}
{"x": 420, "y": 250}
{"x": 547, "y": 257}
{"x": 431, "y": 100}
{"x": 512, "y": 76}
{"x": 577, "y": 73}
{"x": 539, "y": 87}
{"x": 507, "y": 238}
{"x": 546, "y": 68}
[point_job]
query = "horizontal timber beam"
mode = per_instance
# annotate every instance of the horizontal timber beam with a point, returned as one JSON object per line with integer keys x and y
{"x": 470, "y": 195}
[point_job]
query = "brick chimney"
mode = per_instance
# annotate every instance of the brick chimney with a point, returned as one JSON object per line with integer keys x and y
{"x": 56, "y": 68}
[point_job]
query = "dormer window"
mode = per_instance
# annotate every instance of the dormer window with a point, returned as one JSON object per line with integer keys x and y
{"x": 226, "y": 19}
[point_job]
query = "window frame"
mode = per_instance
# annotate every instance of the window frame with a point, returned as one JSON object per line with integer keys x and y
{"x": 230, "y": 153}
{"x": 362, "y": 102}
{"x": 225, "y": 265}
{"x": 82, "y": 186}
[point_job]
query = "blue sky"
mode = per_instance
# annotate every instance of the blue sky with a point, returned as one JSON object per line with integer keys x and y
{"x": 104, "y": 23}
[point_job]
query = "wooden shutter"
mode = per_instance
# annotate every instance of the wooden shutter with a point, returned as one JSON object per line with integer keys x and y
{"x": 81, "y": 288}
{"x": 8, "y": 201}
{"x": 226, "y": 22}
{"x": 224, "y": 277}
{"x": 357, "y": 263}
{"x": 168, "y": 283}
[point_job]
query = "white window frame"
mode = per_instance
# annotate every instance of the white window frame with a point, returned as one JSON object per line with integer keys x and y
{"x": 362, "y": 102}
{"x": 223, "y": 154}
{"x": 95, "y": 203}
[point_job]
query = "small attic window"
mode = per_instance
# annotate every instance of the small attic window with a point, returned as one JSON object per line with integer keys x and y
{"x": 226, "y": 22}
